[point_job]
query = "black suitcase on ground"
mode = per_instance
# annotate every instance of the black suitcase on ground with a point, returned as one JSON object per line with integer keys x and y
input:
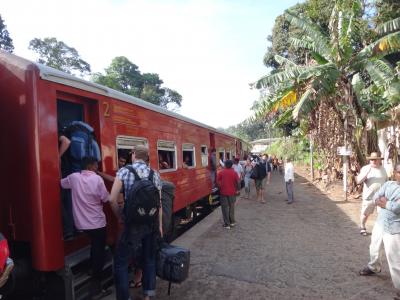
{"x": 173, "y": 264}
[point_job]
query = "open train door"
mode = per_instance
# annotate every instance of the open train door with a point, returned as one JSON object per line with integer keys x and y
{"x": 77, "y": 250}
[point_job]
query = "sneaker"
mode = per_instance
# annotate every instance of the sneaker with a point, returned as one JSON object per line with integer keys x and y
{"x": 367, "y": 272}
{"x": 226, "y": 226}
{"x": 233, "y": 224}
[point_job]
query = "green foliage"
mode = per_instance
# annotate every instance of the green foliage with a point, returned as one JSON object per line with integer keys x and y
{"x": 338, "y": 58}
{"x": 59, "y": 55}
{"x": 254, "y": 129}
{"x": 386, "y": 10}
{"x": 123, "y": 75}
{"x": 6, "y": 42}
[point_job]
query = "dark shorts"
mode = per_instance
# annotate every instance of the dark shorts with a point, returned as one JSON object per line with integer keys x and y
{"x": 259, "y": 184}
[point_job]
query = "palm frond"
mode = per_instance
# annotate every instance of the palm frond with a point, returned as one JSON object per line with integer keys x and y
{"x": 303, "y": 44}
{"x": 328, "y": 69}
{"x": 381, "y": 72}
{"x": 304, "y": 105}
{"x": 386, "y": 45}
{"x": 284, "y": 61}
{"x": 314, "y": 32}
{"x": 285, "y": 117}
{"x": 358, "y": 85}
{"x": 388, "y": 27}
{"x": 276, "y": 78}
{"x": 286, "y": 101}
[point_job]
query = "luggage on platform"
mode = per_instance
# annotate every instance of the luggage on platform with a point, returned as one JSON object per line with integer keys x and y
{"x": 173, "y": 264}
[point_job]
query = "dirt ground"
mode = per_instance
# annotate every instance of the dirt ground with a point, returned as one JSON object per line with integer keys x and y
{"x": 310, "y": 249}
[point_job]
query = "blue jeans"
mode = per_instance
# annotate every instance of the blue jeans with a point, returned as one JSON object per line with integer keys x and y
{"x": 123, "y": 256}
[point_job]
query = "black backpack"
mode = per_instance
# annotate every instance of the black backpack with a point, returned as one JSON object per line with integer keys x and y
{"x": 142, "y": 201}
{"x": 262, "y": 170}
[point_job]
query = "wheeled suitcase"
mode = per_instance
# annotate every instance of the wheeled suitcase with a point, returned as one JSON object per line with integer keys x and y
{"x": 173, "y": 264}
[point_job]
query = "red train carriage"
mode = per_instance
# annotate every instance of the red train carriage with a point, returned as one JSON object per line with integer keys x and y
{"x": 35, "y": 101}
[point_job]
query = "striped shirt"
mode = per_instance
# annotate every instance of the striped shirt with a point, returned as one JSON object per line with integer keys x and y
{"x": 143, "y": 171}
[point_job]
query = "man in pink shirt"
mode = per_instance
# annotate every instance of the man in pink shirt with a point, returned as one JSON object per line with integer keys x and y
{"x": 88, "y": 196}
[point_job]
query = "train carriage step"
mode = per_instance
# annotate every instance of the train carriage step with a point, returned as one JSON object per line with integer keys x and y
{"x": 77, "y": 277}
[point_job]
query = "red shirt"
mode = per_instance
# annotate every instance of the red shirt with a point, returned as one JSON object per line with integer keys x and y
{"x": 227, "y": 181}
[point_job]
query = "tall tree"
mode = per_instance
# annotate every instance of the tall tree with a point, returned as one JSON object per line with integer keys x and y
{"x": 6, "y": 42}
{"x": 347, "y": 78}
{"x": 125, "y": 76}
{"x": 59, "y": 55}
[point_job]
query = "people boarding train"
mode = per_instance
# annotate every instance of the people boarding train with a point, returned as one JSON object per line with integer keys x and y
{"x": 89, "y": 194}
{"x": 142, "y": 227}
{"x": 76, "y": 141}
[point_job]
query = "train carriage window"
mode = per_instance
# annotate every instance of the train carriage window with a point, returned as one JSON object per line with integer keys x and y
{"x": 124, "y": 148}
{"x": 188, "y": 155}
{"x": 221, "y": 154}
{"x": 204, "y": 156}
{"x": 166, "y": 156}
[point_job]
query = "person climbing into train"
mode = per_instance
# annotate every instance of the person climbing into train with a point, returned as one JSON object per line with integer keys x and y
{"x": 142, "y": 222}
{"x": 89, "y": 194}
{"x": 76, "y": 141}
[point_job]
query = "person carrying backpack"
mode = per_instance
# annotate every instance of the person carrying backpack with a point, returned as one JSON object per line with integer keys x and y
{"x": 259, "y": 172}
{"x": 75, "y": 142}
{"x": 142, "y": 215}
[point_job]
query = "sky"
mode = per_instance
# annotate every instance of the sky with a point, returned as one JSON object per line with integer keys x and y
{"x": 207, "y": 50}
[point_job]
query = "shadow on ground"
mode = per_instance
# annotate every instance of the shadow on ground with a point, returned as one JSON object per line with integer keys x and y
{"x": 310, "y": 249}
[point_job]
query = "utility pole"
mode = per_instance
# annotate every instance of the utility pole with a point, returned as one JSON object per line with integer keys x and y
{"x": 311, "y": 157}
{"x": 345, "y": 158}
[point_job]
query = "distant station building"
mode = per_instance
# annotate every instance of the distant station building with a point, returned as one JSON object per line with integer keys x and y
{"x": 259, "y": 146}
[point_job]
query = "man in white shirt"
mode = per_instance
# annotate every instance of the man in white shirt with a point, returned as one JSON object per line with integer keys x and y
{"x": 373, "y": 176}
{"x": 289, "y": 179}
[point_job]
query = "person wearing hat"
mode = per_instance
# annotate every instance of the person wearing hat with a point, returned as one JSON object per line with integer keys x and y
{"x": 385, "y": 236}
{"x": 373, "y": 176}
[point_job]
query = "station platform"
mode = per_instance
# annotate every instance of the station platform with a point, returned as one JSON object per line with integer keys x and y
{"x": 310, "y": 249}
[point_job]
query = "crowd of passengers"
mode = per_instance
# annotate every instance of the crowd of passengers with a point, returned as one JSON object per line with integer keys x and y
{"x": 84, "y": 193}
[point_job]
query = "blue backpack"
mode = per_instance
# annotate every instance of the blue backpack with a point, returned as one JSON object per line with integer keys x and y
{"x": 83, "y": 143}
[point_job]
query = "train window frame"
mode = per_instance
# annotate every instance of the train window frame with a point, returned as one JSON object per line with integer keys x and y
{"x": 128, "y": 146}
{"x": 228, "y": 155}
{"x": 165, "y": 147}
{"x": 204, "y": 155}
{"x": 221, "y": 150}
{"x": 189, "y": 147}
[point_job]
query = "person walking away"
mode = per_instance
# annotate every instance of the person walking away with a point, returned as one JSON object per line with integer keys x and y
{"x": 142, "y": 222}
{"x": 239, "y": 170}
{"x": 258, "y": 174}
{"x": 289, "y": 179}
{"x": 247, "y": 173}
{"x": 89, "y": 194}
{"x": 387, "y": 229}
{"x": 373, "y": 176}
{"x": 227, "y": 181}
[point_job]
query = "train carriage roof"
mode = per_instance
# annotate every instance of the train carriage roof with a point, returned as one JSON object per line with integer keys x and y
{"x": 54, "y": 75}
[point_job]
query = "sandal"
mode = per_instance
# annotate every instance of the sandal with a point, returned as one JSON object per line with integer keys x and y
{"x": 366, "y": 272}
{"x": 363, "y": 232}
{"x": 134, "y": 285}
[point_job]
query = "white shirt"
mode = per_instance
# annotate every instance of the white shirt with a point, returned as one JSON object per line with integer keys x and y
{"x": 375, "y": 179}
{"x": 238, "y": 169}
{"x": 289, "y": 172}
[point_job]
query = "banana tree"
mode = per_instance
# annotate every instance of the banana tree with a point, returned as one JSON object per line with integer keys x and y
{"x": 354, "y": 79}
